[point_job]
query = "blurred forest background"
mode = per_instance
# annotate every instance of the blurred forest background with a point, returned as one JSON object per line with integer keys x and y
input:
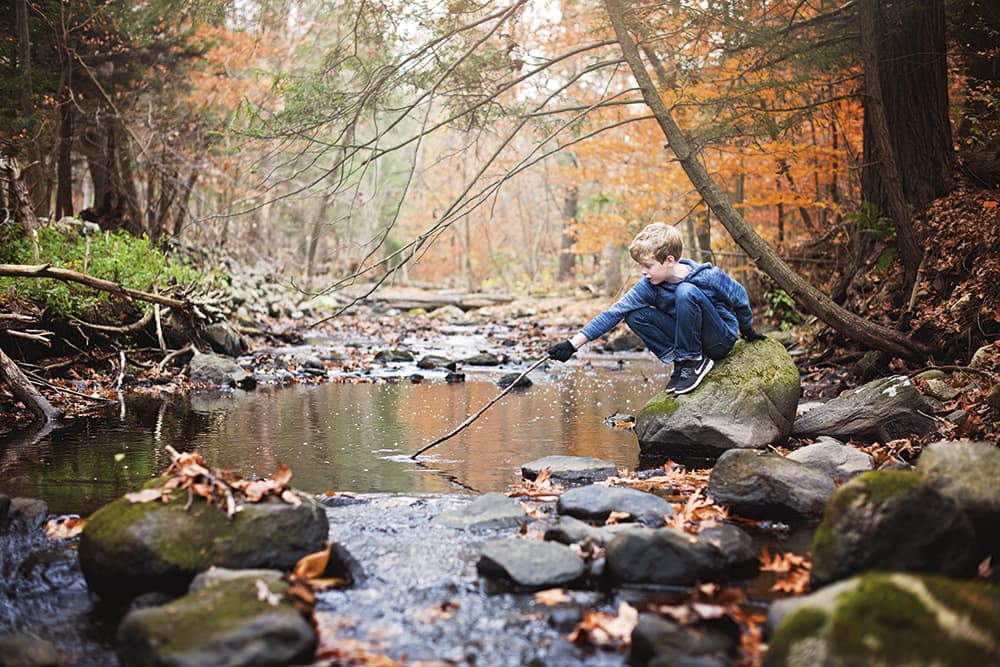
{"x": 496, "y": 145}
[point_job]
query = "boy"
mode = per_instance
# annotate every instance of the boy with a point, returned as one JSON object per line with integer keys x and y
{"x": 685, "y": 313}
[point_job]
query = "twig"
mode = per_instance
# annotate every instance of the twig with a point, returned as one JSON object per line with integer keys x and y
{"x": 65, "y": 390}
{"x": 37, "y": 335}
{"x": 126, "y": 328}
{"x": 173, "y": 355}
{"x": 463, "y": 425}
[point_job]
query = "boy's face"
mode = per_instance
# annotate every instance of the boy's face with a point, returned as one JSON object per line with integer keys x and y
{"x": 656, "y": 272}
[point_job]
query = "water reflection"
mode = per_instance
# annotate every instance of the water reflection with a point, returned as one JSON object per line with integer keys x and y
{"x": 341, "y": 437}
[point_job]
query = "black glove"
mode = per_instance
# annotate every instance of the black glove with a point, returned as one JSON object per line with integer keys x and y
{"x": 752, "y": 334}
{"x": 562, "y": 351}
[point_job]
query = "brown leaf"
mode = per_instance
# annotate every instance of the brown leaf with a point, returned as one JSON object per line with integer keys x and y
{"x": 291, "y": 498}
{"x": 64, "y": 528}
{"x": 600, "y": 629}
{"x": 552, "y": 596}
{"x": 312, "y": 566}
{"x": 282, "y": 476}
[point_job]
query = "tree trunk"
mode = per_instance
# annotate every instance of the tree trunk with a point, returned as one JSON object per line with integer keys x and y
{"x": 64, "y": 165}
{"x": 909, "y": 39}
{"x": 975, "y": 33}
{"x": 886, "y": 165}
{"x": 25, "y": 392}
{"x": 20, "y": 198}
{"x": 810, "y": 298}
{"x": 567, "y": 261}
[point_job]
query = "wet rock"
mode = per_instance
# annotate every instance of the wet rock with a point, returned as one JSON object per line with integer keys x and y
{"x": 393, "y": 356}
{"x": 747, "y": 401}
{"x": 624, "y": 343}
{"x": 672, "y": 557}
{"x": 660, "y": 642}
{"x": 761, "y": 484}
{"x": 839, "y": 461}
{"x": 308, "y": 361}
{"x": 891, "y": 521}
{"x": 530, "y": 564}
{"x": 889, "y": 620}
{"x": 595, "y": 502}
{"x": 967, "y": 472}
{"x": 482, "y": 359}
{"x": 488, "y": 511}
{"x": 454, "y": 378}
{"x": 224, "y": 339}
{"x": 245, "y": 621}
{"x": 863, "y": 411}
{"x": 570, "y": 530}
{"x": 431, "y": 361}
{"x": 218, "y": 371}
{"x": 25, "y": 651}
{"x": 508, "y": 379}
{"x": 129, "y": 548}
{"x": 22, "y": 515}
{"x": 570, "y": 470}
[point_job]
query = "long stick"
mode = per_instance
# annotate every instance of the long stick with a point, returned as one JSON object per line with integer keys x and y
{"x": 545, "y": 357}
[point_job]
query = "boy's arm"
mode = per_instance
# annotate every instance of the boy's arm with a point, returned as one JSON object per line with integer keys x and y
{"x": 604, "y": 322}
{"x": 739, "y": 301}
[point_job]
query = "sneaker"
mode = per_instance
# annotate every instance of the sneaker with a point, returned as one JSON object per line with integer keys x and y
{"x": 675, "y": 376}
{"x": 690, "y": 373}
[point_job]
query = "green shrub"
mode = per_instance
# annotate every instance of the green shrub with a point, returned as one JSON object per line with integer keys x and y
{"x": 116, "y": 256}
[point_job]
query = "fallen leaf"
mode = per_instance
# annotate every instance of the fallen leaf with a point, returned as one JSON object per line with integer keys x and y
{"x": 64, "y": 528}
{"x": 617, "y": 517}
{"x": 552, "y": 596}
{"x": 312, "y": 566}
{"x": 605, "y": 630}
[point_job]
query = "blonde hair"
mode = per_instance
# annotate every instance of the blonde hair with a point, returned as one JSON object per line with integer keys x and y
{"x": 657, "y": 241}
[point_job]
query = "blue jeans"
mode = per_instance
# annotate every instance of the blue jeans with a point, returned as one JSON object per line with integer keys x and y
{"x": 696, "y": 331}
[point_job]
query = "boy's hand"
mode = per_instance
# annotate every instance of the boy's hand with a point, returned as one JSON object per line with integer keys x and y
{"x": 562, "y": 351}
{"x": 752, "y": 334}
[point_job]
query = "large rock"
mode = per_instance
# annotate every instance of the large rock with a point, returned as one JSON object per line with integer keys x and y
{"x": 888, "y": 620}
{"x": 488, "y": 511}
{"x": 863, "y": 411}
{"x": 595, "y": 502}
{"x": 246, "y": 621}
{"x": 220, "y": 371}
{"x": 747, "y": 401}
{"x": 841, "y": 462}
{"x": 672, "y": 557}
{"x": 967, "y": 472}
{"x": 660, "y": 642}
{"x": 762, "y": 484}
{"x": 530, "y": 564}
{"x": 570, "y": 469}
{"x": 130, "y": 548}
{"x": 891, "y": 520}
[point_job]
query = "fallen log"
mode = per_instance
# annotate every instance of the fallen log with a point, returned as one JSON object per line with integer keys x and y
{"x": 25, "y": 392}
{"x": 67, "y": 275}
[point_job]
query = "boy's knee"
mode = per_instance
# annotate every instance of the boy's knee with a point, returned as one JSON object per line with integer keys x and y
{"x": 686, "y": 291}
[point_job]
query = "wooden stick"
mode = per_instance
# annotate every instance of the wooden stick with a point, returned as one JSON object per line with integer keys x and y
{"x": 66, "y": 275}
{"x": 486, "y": 407}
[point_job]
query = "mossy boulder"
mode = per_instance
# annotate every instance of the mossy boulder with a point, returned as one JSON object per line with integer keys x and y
{"x": 245, "y": 621}
{"x": 889, "y": 620}
{"x": 128, "y": 548}
{"x": 748, "y": 400}
{"x": 891, "y": 520}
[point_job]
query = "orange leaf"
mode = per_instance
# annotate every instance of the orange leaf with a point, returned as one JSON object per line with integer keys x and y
{"x": 312, "y": 566}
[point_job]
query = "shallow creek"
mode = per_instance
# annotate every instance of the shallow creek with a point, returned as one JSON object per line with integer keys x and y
{"x": 422, "y": 599}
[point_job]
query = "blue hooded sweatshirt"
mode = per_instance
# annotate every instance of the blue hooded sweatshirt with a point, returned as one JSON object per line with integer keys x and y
{"x": 727, "y": 295}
